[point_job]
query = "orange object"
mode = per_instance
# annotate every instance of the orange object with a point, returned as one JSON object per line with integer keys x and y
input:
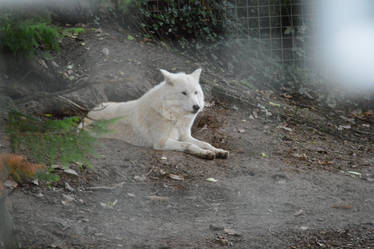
{"x": 17, "y": 167}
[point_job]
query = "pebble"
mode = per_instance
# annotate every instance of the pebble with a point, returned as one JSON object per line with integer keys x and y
{"x": 140, "y": 178}
{"x": 105, "y": 51}
{"x": 68, "y": 187}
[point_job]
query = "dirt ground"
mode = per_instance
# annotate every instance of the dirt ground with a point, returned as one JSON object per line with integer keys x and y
{"x": 297, "y": 177}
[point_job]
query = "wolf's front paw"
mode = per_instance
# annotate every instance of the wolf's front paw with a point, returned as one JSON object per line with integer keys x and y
{"x": 222, "y": 154}
{"x": 210, "y": 155}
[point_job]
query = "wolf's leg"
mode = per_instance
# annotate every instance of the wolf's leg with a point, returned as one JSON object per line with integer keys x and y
{"x": 172, "y": 144}
{"x": 204, "y": 145}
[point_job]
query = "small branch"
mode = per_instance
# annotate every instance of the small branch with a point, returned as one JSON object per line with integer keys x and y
{"x": 73, "y": 103}
{"x": 107, "y": 188}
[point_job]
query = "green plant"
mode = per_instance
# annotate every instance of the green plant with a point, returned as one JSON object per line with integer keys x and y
{"x": 72, "y": 32}
{"x": 183, "y": 20}
{"x": 21, "y": 33}
{"x": 48, "y": 141}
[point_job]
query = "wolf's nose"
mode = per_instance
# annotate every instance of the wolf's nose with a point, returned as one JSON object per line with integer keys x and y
{"x": 196, "y": 108}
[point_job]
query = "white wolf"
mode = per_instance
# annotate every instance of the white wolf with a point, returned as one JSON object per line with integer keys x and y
{"x": 162, "y": 118}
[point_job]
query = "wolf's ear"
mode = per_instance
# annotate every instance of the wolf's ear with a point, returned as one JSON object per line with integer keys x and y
{"x": 196, "y": 74}
{"x": 168, "y": 77}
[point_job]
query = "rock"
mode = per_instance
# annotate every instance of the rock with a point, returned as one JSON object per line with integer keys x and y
{"x": 105, "y": 51}
{"x": 140, "y": 178}
{"x": 68, "y": 187}
{"x": 216, "y": 228}
{"x": 42, "y": 62}
{"x": 68, "y": 199}
{"x": 54, "y": 64}
{"x": 176, "y": 177}
{"x": 70, "y": 171}
{"x": 10, "y": 184}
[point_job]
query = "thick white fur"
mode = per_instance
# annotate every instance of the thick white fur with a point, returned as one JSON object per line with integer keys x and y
{"x": 162, "y": 118}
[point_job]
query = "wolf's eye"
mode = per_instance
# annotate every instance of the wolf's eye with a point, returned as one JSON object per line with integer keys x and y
{"x": 184, "y": 93}
{"x": 195, "y": 92}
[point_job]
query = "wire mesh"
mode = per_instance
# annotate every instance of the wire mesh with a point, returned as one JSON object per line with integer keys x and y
{"x": 279, "y": 25}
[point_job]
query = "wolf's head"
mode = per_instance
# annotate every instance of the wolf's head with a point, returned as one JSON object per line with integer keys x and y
{"x": 184, "y": 92}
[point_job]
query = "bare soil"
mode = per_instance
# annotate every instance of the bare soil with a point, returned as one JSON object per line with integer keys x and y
{"x": 294, "y": 179}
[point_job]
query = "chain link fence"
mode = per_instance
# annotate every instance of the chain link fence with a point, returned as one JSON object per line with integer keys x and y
{"x": 278, "y": 25}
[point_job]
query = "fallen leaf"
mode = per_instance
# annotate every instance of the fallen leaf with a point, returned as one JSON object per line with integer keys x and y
{"x": 145, "y": 39}
{"x": 130, "y": 37}
{"x": 109, "y": 204}
{"x": 68, "y": 187}
{"x": 323, "y": 162}
{"x": 241, "y": 130}
{"x": 321, "y": 150}
{"x": 42, "y": 62}
{"x": 231, "y": 231}
{"x": 210, "y": 179}
{"x": 68, "y": 197}
{"x": 342, "y": 206}
{"x": 274, "y": 104}
{"x": 71, "y": 171}
{"x": 263, "y": 154}
{"x": 164, "y": 45}
{"x": 10, "y": 184}
{"x": 299, "y": 212}
{"x": 263, "y": 109}
{"x": 287, "y": 96}
{"x": 54, "y": 64}
{"x": 140, "y": 178}
{"x": 300, "y": 156}
{"x": 80, "y": 164}
{"x": 342, "y": 127}
{"x": 284, "y": 128}
{"x": 176, "y": 177}
{"x": 354, "y": 173}
{"x": 350, "y": 120}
